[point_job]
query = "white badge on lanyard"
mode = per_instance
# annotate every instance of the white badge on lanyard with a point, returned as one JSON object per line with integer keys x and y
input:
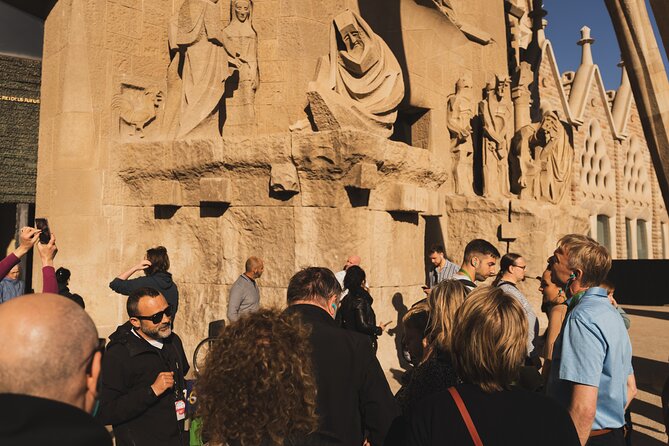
{"x": 180, "y": 409}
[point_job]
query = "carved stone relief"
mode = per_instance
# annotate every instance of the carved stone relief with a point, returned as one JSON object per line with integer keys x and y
{"x": 459, "y": 112}
{"x": 241, "y": 40}
{"x": 553, "y": 156}
{"x": 544, "y": 159}
{"x": 198, "y": 71}
{"x": 496, "y": 117}
{"x": 597, "y": 175}
{"x": 636, "y": 181}
{"x": 472, "y": 32}
{"x": 359, "y": 84}
{"x": 137, "y": 108}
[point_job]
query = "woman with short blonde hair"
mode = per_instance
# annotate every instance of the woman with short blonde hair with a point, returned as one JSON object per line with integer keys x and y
{"x": 434, "y": 372}
{"x": 489, "y": 339}
{"x": 488, "y": 347}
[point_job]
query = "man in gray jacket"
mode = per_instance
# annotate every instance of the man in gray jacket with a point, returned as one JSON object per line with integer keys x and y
{"x": 244, "y": 294}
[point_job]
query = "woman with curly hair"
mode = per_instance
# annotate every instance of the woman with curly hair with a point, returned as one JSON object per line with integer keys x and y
{"x": 257, "y": 387}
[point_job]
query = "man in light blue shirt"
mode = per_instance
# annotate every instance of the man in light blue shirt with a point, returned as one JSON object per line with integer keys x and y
{"x": 592, "y": 372}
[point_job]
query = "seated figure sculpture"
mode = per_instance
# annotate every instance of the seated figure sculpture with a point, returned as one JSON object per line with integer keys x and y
{"x": 545, "y": 152}
{"x": 359, "y": 84}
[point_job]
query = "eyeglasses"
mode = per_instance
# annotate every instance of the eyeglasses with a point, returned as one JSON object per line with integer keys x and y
{"x": 156, "y": 318}
{"x": 519, "y": 266}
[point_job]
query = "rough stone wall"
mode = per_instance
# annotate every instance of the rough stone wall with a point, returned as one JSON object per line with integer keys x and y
{"x": 19, "y": 127}
{"x": 292, "y": 198}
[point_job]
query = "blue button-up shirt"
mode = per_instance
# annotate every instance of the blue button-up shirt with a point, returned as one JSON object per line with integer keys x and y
{"x": 593, "y": 349}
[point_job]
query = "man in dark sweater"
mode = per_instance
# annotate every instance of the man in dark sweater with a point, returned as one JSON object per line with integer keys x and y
{"x": 49, "y": 368}
{"x": 142, "y": 387}
{"x": 354, "y": 400}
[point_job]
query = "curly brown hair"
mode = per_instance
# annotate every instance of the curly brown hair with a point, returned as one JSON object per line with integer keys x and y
{"x": 258, "y": 383}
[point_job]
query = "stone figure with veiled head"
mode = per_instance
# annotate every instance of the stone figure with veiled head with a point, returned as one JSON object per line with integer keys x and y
{"x": 459, "y": 112}
{"x": 241, "y": 40}
{"x": 497, "y": 119}
{"x": 197, "y": 73}
{"x": 553, "y": 158}
{"x": 359, "y": 84}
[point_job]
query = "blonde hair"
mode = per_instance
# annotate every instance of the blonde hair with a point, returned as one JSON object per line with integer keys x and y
{"x": 489, "y": 340}
{"x": 443, "y": 302}
{"x": 585, "y": 254}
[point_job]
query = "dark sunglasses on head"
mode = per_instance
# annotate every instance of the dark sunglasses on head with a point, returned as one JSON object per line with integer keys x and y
{"x": 156, "y": 318}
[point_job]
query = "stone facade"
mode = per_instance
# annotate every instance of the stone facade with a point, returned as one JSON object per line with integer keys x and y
{"x": 298, "y": 181}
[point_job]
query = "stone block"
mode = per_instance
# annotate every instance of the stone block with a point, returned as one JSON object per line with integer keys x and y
{"x": 508, "y": 231}
{"x": 283, "y": 178}
{"x": 156, "y": 12}
{"x": 86, "y": 186}
{"x": 216, "y": 190}
{"x": 165, "y": 193}
{"x": 123, "y": 20}
{"x": 122, "y": 43}
{"x": 399, "y": 197}
{"x": 266, "y": 27}
{"x": 435, "y": 204}
{"x": 362, "y": 176}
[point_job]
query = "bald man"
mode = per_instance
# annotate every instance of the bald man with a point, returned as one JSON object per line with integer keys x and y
{"x": 244, "y": 293}
{"x": 49, "y": 369}
{"x": 351, "y": 261}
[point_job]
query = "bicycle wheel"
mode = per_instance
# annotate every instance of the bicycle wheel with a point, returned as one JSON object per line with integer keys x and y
{"x": 200, "y": 354}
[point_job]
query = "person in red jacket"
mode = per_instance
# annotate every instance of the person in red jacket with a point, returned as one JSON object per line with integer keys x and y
{"x": 28, "y": 237}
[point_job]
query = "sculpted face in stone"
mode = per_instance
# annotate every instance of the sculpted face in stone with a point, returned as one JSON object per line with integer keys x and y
{"x": 353, "y": 41}
{"x": 501, "y": 88}
{"x": 242, "y": 8}
{"x": 463, "y": 85}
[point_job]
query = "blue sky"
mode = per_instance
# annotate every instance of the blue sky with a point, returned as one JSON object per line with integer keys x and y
{"x": 565, "y": 20}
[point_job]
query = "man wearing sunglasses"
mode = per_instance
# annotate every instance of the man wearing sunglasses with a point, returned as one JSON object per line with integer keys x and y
{"x": 142, "y": 387}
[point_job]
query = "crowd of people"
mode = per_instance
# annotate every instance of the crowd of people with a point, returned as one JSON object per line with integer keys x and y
{"x": 309, "y": 375}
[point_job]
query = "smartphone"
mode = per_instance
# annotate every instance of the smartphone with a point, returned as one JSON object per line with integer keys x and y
{"x": 43, "y": 225}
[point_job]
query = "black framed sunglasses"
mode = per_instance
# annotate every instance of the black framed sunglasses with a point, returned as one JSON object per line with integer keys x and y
{"x": 156, "y": 318}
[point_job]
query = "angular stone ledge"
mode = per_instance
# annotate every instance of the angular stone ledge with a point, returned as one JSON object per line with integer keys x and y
{"x": 216, "y": 190}
{"x": 342, "y": 159}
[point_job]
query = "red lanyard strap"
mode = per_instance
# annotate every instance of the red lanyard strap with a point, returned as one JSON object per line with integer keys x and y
{"x": 465, "y": 416}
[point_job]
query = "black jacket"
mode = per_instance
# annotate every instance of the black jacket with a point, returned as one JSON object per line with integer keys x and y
{"x": 356, "y": 313}
{"x": 31, "y": 421}
{"x": 64, "y": 291}
{"x": 127, "y": 402}
{"x": 161, "y": 281}
{"x": 353, "y": 394}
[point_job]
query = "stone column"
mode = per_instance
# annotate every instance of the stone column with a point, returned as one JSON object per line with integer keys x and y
{"x": 648, "y": 79}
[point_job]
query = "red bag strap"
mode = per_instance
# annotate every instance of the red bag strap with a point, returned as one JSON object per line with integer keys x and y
{"x": 465, "y": 416}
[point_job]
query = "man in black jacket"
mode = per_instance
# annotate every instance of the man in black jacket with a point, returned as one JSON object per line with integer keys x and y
{"x": 353, "y": 400}
{"x": 49, "y": 368}
{"x": 142, "y": 388}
